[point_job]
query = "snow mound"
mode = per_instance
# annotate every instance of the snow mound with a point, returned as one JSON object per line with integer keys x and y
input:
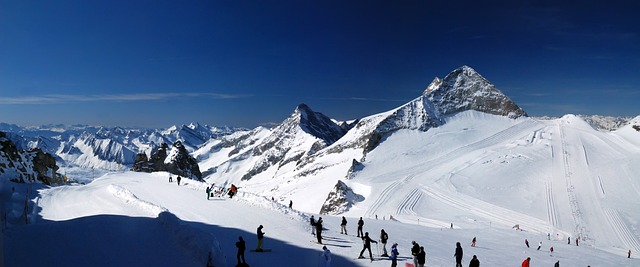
{"x": 129, "y": 198}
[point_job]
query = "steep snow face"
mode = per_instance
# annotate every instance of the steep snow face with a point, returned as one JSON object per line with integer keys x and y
{"x": 465, "y": 89}
{"x": 88, "y": 151}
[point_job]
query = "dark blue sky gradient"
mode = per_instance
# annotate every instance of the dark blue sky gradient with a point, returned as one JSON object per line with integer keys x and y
{"x": 246, "y": 63}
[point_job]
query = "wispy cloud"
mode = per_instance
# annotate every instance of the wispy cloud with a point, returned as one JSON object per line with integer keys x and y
{"x": 64, "y": 98}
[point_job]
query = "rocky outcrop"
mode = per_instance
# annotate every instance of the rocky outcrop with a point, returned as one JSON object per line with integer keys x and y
{"x": 176, "y": 161}
{"x": 26, "y": 166}
{"x": 340, "y": 199}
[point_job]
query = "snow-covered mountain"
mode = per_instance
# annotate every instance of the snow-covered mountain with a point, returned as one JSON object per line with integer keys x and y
{"x": 109, "y": 149}
{"x": 26, "y": 166}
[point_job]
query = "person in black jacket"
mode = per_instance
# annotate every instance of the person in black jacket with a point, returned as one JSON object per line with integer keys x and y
{"x": 312, "y": 221}
{"x": 319, "y": 230}
{"x": 360, "y": 224}
{"x": 367, "y": 245}
{"x": 241, "y": 248}
{"x": 415, "y": 249}
{"x": 458, "y": 255}
{"x": 422, "y": 257}
{"x": 474, "y": 262}
{"x": 383, "y": 239}
{"x": 343, "y": 226}
{"x": 260, "y": 237}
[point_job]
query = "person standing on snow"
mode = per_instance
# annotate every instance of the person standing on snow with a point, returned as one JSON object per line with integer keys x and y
{"x": 360, "y": 224}
{"x": 394, "y": 255}
{"x": 458, "y": 255}
{"x": 422, "y": 257}
{"x": 568, "y": 240}
{"x": 170, "y": 179}
{"x": 577, "y": 240}
{"x": 526, "y": 262}
{"x": 291, "y": 204}
{"x": 260, "y": 235}
{"x": 474, "y": 262}
{"x": 179, "y": 178}
{"x": 557, "y": 264}
{"x": 383, "y": 239}
{"x": 343, "y": 226}
{"x": 326, "y": 256}
{"x": 312, "y": 221}
{"x": 319, "y": 230}
{"x": 629, "y": 254}
{"x": 367, "y": 245}
{"x": 526, "y": 242}
{"x": 473, "y": 242}
{"x": 415, "y": 249}
{"x": 208, "y": 192}
{"x": 539, "y": 245}
{"x": 241, "y": 248}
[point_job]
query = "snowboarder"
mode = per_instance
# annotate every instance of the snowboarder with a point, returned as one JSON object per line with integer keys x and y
{"x": 208, "y": 192}
{"x": 526, "y": 242}
{"x": 422, "y": 257}
{"x": 526, "y": 262}
{"x": 394, "y": 255}
{"x": 319, "y": 230}
{"x": 343, "y": 226}
{"x": 474, "y": 262}
{"x": 260, "y": 235}
{"x": 360, "y": 224}
{"x": 415, "y": 249}
{"x": 241, "y": 248}
{"x": 326, "y": 256}
{"x": 312, "y": 221}
{"x": 473, "y": 242}
{"x": 367, "y": 245}
{"x": 290, "y": 204}
{"x": 539, "y": 245}
{"x": 179, "y": 178}
{"x": 383, "y": 239}
{"x": 458, "y": 255}
{"x": 557, "y": 264}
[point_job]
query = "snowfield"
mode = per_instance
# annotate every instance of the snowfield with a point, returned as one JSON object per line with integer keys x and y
{"x": 557, "y": 179}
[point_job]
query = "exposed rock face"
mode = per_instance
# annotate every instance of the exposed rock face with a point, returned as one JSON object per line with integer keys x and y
{"x": 176, "y": 161}
{"x": 355, "y": 167}
{"x": 26, "y": 166}
{"x": 340, "y": 199}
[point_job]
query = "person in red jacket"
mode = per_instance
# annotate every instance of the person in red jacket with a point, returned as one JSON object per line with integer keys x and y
{"x": 525, "y": 263}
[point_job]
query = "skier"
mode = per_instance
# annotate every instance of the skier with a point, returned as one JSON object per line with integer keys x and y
{"x": 260, "y": 237}
{"x": 179, "y": 178}
{"x": 577, "y": 240}
{"x": 526, "y": 262}
{"x": 290, "y": 204}
{"x": 208, "y": 192}
{"x": 458, "y": 255}
{"x": 557, "y": 264}
{"x": 394, "y": 255}
{"x": 367, "y": 245}
{"x": 360, "y": 224}
{"x": 422, "y": 257}
{"x": 312, "y": 221}
{"x": 383, "y": 240}
{"x": 326, "y": 256}
{"x": 241, "y": 248}
{"x": 232, "y": 190}
{"x": 539, "y": 245}
{"x": 474, "y": 262}
{"x": 526, "y": 242}
{"x": 551, "y": 251}
{"x": 415, "y": 249}
{"x": 629, "y": 254}
{"x": 473, "y": 242}
{"x": 319, "y": 230}
{"x": 343, "y": 226}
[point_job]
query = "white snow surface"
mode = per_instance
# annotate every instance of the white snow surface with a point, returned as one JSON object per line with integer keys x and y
{"x": 482, "y": 173}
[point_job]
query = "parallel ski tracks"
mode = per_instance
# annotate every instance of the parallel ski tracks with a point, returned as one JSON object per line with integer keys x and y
{"x": 622, "y": 231}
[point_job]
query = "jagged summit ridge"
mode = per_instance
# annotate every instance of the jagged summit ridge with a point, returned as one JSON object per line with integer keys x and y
{"x": 465, "y": 89}
{"x": 317, "y": 124}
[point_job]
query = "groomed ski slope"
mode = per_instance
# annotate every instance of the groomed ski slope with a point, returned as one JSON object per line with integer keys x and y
{"x": 133, "y": 219}
{"x": 557, "y": 177}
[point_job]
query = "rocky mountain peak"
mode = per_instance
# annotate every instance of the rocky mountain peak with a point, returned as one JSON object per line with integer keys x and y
{"x": 465, "y": 89}
{"x": 315, "y": 123}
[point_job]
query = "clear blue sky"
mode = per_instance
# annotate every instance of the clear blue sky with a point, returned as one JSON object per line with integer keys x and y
{"x": 244, "y": 63}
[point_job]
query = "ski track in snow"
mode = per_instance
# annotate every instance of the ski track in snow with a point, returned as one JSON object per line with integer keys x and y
{"x": 622, "y": 231}
{"x": 580, "y": 227}
{"x": 552, "y": 215}
{"x": 413, "y": 197}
